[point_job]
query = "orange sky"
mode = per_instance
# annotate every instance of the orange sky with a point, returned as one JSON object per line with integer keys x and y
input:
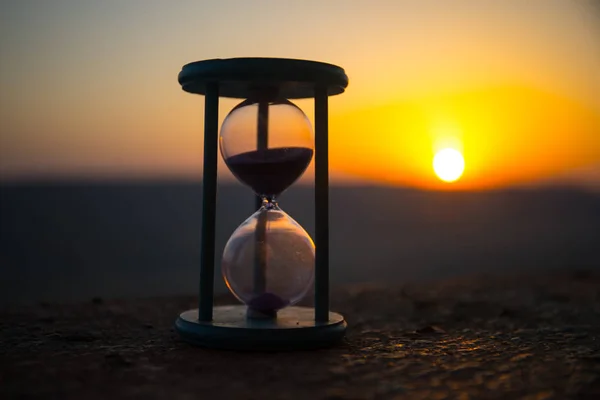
{"x": 90, "y": 90}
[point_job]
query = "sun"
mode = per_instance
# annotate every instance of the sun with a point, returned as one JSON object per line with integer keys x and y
{"x": 448, "y": 165}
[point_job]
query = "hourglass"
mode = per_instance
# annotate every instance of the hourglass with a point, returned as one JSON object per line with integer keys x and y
{"x": 270, "y": 262}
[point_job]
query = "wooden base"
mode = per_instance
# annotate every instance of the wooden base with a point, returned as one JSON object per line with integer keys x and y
{"x": 293, "y": 329}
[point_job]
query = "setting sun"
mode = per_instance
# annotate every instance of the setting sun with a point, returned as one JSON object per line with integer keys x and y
{"x": 448, "y": 165}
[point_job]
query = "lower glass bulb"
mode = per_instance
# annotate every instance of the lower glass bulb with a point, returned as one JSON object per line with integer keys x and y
{"x": 269, "y": 261}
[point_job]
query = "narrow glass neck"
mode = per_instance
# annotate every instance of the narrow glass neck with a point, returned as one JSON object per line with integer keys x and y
{"x": 269, "y": 202}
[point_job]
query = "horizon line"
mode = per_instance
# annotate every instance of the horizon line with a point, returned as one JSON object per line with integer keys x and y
{"x": 358, "y": 183}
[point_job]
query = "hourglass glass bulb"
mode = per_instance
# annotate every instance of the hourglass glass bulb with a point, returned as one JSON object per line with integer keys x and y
{"x": 267, "y": 144}
{"x": 268, "y": 263}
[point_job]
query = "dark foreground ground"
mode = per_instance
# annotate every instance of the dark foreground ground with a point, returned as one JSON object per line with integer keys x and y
{"x": 530, "y": 337}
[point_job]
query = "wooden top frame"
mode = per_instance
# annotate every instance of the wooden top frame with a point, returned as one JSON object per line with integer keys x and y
{"x": 241, "y": 77}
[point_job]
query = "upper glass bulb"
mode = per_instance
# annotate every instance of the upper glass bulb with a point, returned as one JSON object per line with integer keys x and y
{"x": 267, "y": 144}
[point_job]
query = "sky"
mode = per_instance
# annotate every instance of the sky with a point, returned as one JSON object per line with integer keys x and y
{"x": 88, "y": 89}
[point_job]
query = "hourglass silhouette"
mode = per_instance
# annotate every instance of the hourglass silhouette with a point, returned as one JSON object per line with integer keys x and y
{"x": 270, "y": 262}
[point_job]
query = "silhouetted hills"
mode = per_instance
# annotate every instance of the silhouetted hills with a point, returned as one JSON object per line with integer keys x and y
{"x": 73, "y": 241}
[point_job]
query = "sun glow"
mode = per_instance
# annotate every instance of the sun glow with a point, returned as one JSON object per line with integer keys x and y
{"x": 448, "y": 165}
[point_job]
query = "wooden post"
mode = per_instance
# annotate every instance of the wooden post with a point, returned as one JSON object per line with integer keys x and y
{"x": 209, "y": 201}
{"x": 260, "y": 252}
{"x": 321, "y": 205}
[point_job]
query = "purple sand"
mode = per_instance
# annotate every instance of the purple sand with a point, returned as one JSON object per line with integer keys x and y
{"x": 270, "y": 171}
{"x": 267, "y": 302}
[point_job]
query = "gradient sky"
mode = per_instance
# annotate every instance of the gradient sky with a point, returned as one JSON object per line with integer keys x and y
{"x": 89, "y": 89}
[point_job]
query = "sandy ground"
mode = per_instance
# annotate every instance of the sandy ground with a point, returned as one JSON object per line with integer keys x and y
{"x": 530, "y": 337}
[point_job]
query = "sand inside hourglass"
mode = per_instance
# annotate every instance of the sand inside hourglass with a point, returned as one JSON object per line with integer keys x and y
{"x": 270, "y": 171}
{"x": 267, "y": 302}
